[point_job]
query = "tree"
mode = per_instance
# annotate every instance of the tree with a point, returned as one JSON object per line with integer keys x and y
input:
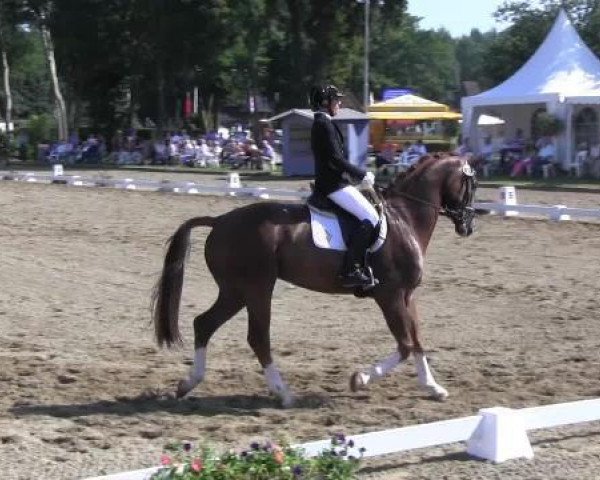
{"x": 39, "y": 13}
{"x": 7, "y": 33}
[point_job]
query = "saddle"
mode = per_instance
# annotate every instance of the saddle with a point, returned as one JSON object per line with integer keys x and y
{"x": 332, "y": 226}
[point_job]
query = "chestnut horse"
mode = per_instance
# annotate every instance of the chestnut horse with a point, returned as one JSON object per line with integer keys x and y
{"x": 251, "y": 247}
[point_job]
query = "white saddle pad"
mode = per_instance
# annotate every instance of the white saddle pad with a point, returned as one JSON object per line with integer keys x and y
{"x": 326, "y": 231}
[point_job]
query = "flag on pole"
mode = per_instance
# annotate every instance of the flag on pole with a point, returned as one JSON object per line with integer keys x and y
{"x": 187, "y": 106}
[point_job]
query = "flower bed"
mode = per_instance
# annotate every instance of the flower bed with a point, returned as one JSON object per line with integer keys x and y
{"x": 267, "y": 461}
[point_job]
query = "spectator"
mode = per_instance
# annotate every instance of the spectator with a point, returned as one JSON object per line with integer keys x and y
{"x": 464, "y": 148}
{"x": 418, "y": 149}
{"x": 485, "y": 156}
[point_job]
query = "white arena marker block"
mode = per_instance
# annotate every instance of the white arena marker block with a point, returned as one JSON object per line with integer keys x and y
{"x": 508, "y": 196}
{"x": 557, "y": 214}
{"x": 233, "y": 181}
{"x": 500, "y": 436}
{"x": 58, "y": 170}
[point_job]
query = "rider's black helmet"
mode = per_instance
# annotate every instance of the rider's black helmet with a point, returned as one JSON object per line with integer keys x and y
{"x": 323, "y": 93}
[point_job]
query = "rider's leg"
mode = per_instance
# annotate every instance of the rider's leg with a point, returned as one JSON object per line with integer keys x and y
{"x": 353, "y": 271}
{"x": 354, "y": 202}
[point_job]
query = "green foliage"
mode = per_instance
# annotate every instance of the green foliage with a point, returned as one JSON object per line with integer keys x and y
{"x": 41, "y": 128}
{"x": 259, "y": 462}
{"x": 4, "y": 146}
{"x": 546, "y": 124}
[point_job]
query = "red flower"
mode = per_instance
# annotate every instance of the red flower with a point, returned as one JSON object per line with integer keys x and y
{"x": 279, "y": 457}
{"x": 165, "y": 460}
{"x": 196, "y": 465}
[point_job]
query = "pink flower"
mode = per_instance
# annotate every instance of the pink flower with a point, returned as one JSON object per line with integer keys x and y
{"x": 165, "y": 460}
{"x": 196, "y": 465}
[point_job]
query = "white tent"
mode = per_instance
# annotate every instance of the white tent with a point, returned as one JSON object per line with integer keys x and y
{"x": 562, "y": 77}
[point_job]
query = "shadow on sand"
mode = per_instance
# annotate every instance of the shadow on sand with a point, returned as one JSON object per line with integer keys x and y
{"x": 150, "y": 402}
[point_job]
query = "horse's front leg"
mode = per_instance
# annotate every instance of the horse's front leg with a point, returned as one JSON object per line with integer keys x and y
{"x": 401, "y": 317}
{"x": 395, "y": 313}
{"x": 423, "y": 371}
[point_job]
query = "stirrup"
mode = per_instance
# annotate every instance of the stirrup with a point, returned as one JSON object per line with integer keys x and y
{"x": 373, "y": 281}
{"x": 359, "y": 278}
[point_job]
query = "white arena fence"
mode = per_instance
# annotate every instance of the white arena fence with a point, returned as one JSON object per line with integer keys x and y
{"x": 507, "y": 205}
{"x": 496, "y": 434}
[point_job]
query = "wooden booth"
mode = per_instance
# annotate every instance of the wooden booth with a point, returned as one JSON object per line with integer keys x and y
{"x": 297, "y": 158}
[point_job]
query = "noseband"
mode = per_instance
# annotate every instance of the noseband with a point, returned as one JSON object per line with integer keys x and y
{"x": 464, "y": 213}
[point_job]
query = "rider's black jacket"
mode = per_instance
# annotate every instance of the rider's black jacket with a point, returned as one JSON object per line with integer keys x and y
{"x": 332, "y": 170}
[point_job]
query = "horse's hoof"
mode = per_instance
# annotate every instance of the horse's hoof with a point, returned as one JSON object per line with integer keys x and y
{"x": 183, "y": 388}
{"x": 440, "y": 394}
{"x": 287, "y": 402}
{"x": 357, "y": 382}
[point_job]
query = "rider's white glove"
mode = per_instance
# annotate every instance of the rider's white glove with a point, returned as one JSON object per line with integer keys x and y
{"x": 369, "y": 179}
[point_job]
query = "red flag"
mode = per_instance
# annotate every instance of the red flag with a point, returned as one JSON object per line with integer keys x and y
{"x": 187, "y": 106}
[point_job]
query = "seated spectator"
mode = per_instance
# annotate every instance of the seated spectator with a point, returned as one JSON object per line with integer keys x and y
{"x": 267, "y": 153}
{"x": 161, "y": 152}
{"x": 386, "y": 155}
{"x": 525, "y": 164}
{"x": 62, "y": 152}
{"x": 90, "y": 151}
{"x": 418, "y": 149}
{"x": 546, "y": 156}
{"x": 484, "y": 157}
{"x": 511, "y": 150}
{"x": 407, "y": 155}
{"x": 464, "y": 148}
{"x": 594, "y": 160}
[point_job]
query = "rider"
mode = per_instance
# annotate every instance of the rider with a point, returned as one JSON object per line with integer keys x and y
{"x": 334, "y": 177}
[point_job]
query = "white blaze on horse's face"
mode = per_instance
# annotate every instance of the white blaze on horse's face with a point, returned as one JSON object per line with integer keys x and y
{"x": 467, "y": 170}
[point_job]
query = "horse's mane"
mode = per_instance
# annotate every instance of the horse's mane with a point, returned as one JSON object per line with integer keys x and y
{"x": 414, "y": 171}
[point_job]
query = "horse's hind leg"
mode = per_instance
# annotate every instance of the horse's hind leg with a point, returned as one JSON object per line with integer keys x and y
{"x": 423, "y": 371}
{"x": 259, "y": 326}
{"x": 206, "y": 324}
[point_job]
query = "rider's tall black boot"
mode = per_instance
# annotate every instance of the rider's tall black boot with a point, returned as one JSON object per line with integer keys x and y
{"x": 354, "y": 272}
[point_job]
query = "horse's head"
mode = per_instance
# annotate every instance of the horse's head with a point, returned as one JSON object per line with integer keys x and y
{"x": 442, "y": 183}
{"x": 457, "y": 194}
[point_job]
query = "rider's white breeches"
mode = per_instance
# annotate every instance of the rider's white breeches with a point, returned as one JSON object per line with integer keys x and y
{"x": 354, "y": 202}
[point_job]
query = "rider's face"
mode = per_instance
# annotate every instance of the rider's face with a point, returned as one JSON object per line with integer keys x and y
{"x": 334, "y": 106}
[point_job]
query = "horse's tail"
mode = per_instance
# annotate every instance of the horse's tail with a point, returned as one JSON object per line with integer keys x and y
{"x": 167, "y": 291}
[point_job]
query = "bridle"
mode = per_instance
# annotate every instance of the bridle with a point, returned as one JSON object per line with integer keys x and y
{"x": 464, "y": 212}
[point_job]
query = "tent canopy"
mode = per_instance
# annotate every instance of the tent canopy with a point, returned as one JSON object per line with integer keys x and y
{"x": 562, "y": 67}
{"x": 411, "y": 107}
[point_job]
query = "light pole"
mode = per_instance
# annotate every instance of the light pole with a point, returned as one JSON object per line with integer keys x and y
{"x": 366, "y": 53}
{"x": 366, "y": 65}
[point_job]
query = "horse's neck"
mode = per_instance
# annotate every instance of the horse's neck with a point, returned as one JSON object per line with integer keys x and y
{"x": 418, "y": 205}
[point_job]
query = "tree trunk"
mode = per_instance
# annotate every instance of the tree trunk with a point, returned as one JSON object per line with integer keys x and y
{"x": 7, "y": 92}
{"x": 160, "y": 90}
{"x": 63, "y": 132}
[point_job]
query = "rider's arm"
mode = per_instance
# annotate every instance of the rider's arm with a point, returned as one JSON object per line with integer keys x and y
{"x": 336, "y": 154}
